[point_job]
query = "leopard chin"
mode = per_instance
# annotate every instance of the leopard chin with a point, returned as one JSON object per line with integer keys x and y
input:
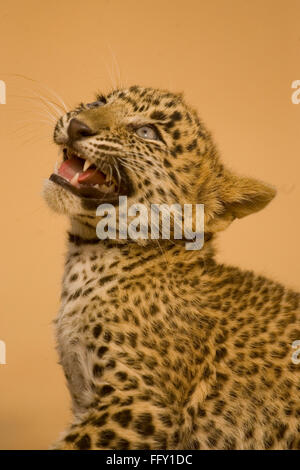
{"x": 58, "y": 199}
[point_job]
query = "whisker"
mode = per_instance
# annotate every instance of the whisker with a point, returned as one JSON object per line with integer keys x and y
{"x": 118, "y": 172}
{"x": 56, "y": 107}
{"x": 65, "y": 108}
{"x": 119, "y": 82}
{"x": 46, "y": 110}
{"x": 46, "y": 87}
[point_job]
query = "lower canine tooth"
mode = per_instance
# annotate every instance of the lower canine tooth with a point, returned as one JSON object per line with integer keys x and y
{"x": 74, "y": 180}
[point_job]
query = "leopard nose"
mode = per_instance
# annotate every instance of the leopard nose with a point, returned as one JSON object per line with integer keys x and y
{"x": 78, "y": 130}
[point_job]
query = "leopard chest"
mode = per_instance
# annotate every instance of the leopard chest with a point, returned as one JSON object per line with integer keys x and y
{"x": 135, "y": 316}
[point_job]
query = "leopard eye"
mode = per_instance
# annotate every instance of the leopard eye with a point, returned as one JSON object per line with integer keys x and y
{"x": 147, "y": 132}
{"x": 95, "y": 104}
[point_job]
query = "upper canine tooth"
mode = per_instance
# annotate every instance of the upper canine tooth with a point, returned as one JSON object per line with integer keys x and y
{"x": 86, "y": 165}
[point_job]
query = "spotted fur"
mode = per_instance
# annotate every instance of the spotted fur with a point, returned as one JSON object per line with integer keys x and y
{"x": 163, "y": 348}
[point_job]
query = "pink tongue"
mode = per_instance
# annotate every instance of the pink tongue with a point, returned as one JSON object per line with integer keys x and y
{"x": 91, "y": 177}
{"x": 70, "y": 167}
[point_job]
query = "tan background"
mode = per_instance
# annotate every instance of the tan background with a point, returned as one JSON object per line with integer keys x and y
{"x": 235, "y": 60}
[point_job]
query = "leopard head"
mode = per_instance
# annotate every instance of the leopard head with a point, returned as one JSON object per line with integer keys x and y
{"x": 150, "y": 146}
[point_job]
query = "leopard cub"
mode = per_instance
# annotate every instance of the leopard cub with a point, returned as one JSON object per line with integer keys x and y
{"x": 163, "y": 348}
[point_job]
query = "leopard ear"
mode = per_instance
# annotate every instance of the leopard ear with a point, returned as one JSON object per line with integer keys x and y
{"x": 243, "y": 196}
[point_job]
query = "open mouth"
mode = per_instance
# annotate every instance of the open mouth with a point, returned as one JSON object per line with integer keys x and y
{"x": 80, "y": 176}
